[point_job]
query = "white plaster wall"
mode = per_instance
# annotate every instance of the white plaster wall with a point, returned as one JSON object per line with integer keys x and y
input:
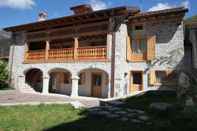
{"x": 19, "y": 68}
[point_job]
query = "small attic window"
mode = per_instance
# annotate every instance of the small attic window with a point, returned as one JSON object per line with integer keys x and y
{"x": 138, "y": 27}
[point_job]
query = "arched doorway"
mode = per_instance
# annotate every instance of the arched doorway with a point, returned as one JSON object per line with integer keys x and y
{"x": 93, "y": 83}
{"x": 34, "y": 79}
{"x": 60, "y": 81}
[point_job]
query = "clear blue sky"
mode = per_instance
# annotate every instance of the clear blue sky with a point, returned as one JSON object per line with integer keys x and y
{"x": 15, "y": 12}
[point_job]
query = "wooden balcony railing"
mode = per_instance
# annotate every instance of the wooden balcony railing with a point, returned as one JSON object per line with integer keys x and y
{"x": 92, "y": 53}
{"x": 66, "y": 53}
{"x": 35, "y": 55}
{"x": 82, "y": 53}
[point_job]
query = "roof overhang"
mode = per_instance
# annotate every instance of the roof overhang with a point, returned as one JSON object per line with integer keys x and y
{"x": 75, "y": 19}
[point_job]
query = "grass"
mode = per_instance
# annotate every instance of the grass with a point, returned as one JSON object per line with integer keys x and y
{"x": 36, "y": 118}
{"x": 66, "y": 118}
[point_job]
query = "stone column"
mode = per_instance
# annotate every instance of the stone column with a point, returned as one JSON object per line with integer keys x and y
{"x": 145, "y": 80}
{"x": 118, "y": 88}
{"x": 21, "y": 83}
{"x": 75, "y": 85}
{"x": 109, "y": 45}
{"x": 45, "y": 88}
{"x": 109, "y": 89}
{"x": 194, "y": 47}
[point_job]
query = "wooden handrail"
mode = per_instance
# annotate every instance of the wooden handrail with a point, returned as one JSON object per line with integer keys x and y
{"x": 98, "y": 52}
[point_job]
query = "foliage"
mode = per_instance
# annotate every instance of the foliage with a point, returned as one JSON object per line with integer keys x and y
{"x": 3, "y": 71}
{"x": 193, "y": 18}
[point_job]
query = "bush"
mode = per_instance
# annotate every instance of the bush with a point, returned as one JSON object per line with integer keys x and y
{"x": 3, "y": 71}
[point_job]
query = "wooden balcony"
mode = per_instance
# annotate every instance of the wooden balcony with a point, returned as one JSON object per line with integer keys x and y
{"x": 66, "y": 54}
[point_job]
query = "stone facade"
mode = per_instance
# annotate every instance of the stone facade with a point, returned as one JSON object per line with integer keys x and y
{"x": 5, "y": 42}
{"x": 169, "y": 55}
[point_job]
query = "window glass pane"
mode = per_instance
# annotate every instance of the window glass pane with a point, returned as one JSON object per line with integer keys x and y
{"x": 143, "y": 45}
{"x": 135, "y": 46}
{"x": 137, "y": 78}
{"x": 160, "y": 76}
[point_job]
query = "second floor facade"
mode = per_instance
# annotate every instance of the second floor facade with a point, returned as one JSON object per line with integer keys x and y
{"x": 94, "y": 36}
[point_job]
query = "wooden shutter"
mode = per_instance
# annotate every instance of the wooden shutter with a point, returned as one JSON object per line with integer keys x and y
{"x": 129, "y": 50}
{"x": 152, "y": 77}
{"x": 151, "y": 47}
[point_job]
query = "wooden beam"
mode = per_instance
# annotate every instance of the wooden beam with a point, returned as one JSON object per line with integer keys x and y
{"x": 70, "y": 27}
{"x": 92, "y": 33}
{"x": 47, "y": 50}
{"x": 76, "y": 45}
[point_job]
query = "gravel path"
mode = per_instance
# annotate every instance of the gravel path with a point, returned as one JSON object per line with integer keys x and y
{"x": 12, "y": 97}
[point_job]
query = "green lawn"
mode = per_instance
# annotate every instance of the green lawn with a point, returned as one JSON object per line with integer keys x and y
{"x": 36, "y": 118}
{"x": 66, "y": 118}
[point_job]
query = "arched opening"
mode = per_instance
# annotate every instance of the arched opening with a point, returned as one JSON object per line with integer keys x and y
{"x": 60, "y": 81}
{"x": 93, "y": 83}
{"x": 34, "y": 79}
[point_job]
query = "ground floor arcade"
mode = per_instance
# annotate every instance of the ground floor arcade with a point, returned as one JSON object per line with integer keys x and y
{"x": 87, "y": 82}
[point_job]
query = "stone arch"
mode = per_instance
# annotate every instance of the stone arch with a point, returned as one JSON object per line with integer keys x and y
{"x": 93, "y": 82}
{"x": 34, "y": 78}
{"x": 60, "y": 81}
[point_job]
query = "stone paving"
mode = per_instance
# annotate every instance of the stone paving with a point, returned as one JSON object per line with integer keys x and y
{"x": 13, "y": 97}
{"x": 122, "y": 114}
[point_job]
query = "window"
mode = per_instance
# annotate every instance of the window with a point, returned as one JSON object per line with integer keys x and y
{"x": 139, "y": 46}
{"x": 138, "y": 27}
{"x": 164, "y": 77}
{"x": 137, "y": 78}
{"x": 161, "y": 76}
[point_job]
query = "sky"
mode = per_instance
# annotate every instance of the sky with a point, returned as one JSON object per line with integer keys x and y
{"x": 16, "y": 12}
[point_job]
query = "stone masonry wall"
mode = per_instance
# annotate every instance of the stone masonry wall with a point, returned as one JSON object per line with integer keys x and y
{"x": 169, "y": 52}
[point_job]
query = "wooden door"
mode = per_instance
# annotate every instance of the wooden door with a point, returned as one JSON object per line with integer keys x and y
{"x": 96, "y": 84}
{"x": 136, "y": 81}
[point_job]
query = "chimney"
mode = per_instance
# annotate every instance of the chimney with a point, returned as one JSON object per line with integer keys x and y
{"x": 42, "y": 16}
{"x": 81, "y": 9}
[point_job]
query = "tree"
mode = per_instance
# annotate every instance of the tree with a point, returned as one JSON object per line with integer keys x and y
{"x": 3, "y": 71}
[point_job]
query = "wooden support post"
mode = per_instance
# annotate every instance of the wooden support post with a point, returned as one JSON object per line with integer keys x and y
{"x": 47, "y": 50}
{"x": 26, "y": 51}
{"x": 76, "y": 45}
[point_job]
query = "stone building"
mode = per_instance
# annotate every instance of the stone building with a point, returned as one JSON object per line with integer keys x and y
{"x": 5, "y": 43}
{"x": 107, "y": 53}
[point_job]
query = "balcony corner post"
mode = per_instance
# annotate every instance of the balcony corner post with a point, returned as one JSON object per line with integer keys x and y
{"x": 76, "y": 45}
{"x": 47, "y": 50}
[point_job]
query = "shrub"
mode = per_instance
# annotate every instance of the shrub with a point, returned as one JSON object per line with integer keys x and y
{"x": 3, "y": 71}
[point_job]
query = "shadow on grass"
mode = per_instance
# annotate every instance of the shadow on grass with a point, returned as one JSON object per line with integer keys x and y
{"x": 177, "y": 122}
{"x": 98, "y": 123}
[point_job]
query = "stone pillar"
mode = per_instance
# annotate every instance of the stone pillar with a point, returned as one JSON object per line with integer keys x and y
{"x": 194, "y": 47}
{"x": 45, "y": 88}
{"x": 21, "y": 83}
{"x": 145, "y": 80}
{"x": 118, "y": 88}
{"x": 109, "y": 45}
{"x": 75, "y": 85}
{"x": 109, "y": 89}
